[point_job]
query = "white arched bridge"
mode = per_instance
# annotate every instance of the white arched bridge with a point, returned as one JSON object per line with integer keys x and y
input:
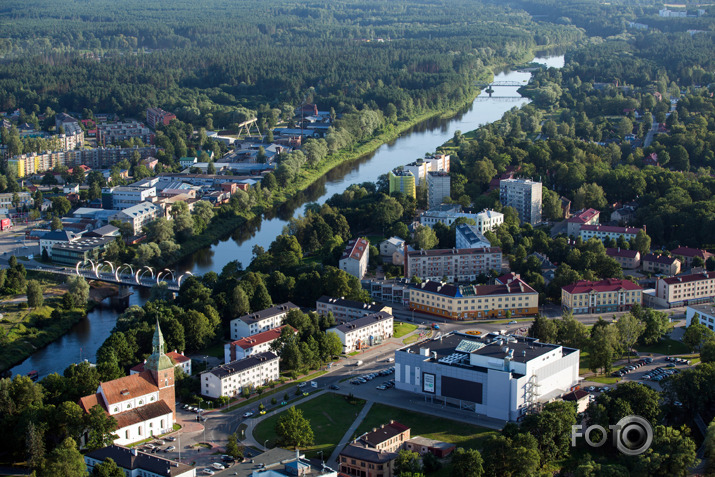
{"x": 124, "y": 274}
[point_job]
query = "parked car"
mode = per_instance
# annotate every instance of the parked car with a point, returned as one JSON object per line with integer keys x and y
{"x": 334, "y": 386}
{"x": 248, "y": 414}
{"x": 218, "y": 466}
{"x": 303, "y": 384}
{"x": 170, "y": 448}
{"x": 171, "y": 438}
{"x": 207, "y": 471}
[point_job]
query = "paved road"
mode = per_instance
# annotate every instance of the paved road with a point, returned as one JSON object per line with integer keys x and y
{"x": 651, "y": 134}
{"x": 350, "y": 432}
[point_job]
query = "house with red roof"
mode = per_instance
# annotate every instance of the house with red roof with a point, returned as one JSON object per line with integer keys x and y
{"x": 664, "y": 264}
{"x": 627, "y": 259}
{"x": 689, "y": 254}
{"x": 250, "y": 345}
{"x": 579, "y": 219}
{"x": 603, "y": 296}
{"x": 355, "y": 257}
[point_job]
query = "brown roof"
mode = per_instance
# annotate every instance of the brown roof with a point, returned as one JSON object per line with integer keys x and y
{"x": 384, "y": 433}
{"x": 575, "y": 395}
{"x": 142, "y": 413}
{"x": 88, "y": 402}
{"x": 611, "y": 228}
{"x": 129, "y": 387}
{"x": 607, "y": 285}
{"x": 691, "y": 252}
{"x": 651, "y": 257}
{"x": 621, "y": 252}
{"x": 249, "y": 342}
{"x": 689, "y": 278}
{"x": 356, "y": 248}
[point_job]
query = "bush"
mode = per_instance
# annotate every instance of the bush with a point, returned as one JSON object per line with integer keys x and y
{"x": 274, "y": 401}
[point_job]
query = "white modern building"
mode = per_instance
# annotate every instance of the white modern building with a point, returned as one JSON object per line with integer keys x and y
{"x": 388, "y": 246}
{"x": 703, "y": 314}
{"x": 468, "y": 236}
{"x": 251, "y": 345}
{"x": 432, "y": 163}
{"x": 260, "y": 321}
{"x": 122, "y": 197}
{"x": 230, "y": 379}
{"x": 603, "y": 232}
{"x": 438, "y": 187}
{"x": 50, "y": 239}
{"x": 139, "y": 215}
{"x": 355, "y": 257}
{"x": 446, "y": 214}
{"x": 367, "y": 331}
{"x": 501, "y": 377}
{"x": 525, "y": 196}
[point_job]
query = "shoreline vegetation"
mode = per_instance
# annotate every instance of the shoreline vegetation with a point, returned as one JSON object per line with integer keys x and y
{"x": 222, "y": 227}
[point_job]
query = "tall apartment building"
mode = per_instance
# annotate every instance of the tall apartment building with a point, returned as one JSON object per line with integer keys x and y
{"x": 468, "y": 236}
{"x": 73, "y": 135}
{"x": 686, "y": 289}
{"x": 525, "y": 196}
{"x": 355, "y": 257}
{"x": 601, "y": 297}
{"x": 438, "y": 187}
{"x": 402, "y": 181}
{"x": 455, "y": 265}
{"x": 434, "y": 163}
{"x": 474, "y": 301}
{"x": 260, "y": 321}
{"x": 157, "y": 116}
{"x": 117, "y": 132}
{"x": 447, "y": 213}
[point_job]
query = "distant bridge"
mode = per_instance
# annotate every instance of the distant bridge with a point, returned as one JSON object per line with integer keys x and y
{"x": 124, "y": 274}
{"x": 502, "y": 83}
{"x": 503, "y": 99}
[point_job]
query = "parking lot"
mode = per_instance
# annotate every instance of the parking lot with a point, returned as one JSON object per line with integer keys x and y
{"x": 650, "y": 374}
{"x": 376, "y": 375}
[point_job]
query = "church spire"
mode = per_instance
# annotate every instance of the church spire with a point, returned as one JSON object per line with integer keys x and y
{"x": 158, "y": 360}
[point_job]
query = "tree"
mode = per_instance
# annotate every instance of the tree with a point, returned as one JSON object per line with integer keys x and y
{"x": 467, "y": 463}
{"x": 56, "y": 224}
{"x": 629, "y": 330}
{"x": 108, "y": 468}
{"x": 603, "y": 346}
{"x": 709, "y": 446}
{"x": 625, "y": 127}
{"x": 707, "y": 352}
{"x": 238, "y": 303}
{"x": 642, "y": 242}
{"x": 696, "y": 335}
{"x": 101, "y": 428}
{"x": 407, "y": 461}
{"x": 160, "y": 230}
{"x": 656, "y": 324}
{"x": 61, "y": 206}
{"x": 333, "y": 345}
{"x": 544, "y": 329}
{"x": 34, "y": 294}
{"x": 551, "y": 428}
{"x": 233, "y": 449}
{"x": 65, "y": 460}
{"x": 387, "y": 211}
{"x": 425, "y": 238}
{"x": 511, "y": 456}
{"x": 79, "y": 290}
{"x": 34, "y": 445}
{"x": 293, "y": 430}
{"x": 671, "y": 454}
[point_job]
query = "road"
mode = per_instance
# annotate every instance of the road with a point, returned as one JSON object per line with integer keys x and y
{"x": 651, "y": 134}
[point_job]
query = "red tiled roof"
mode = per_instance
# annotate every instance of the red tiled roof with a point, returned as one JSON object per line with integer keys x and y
{"x": 141, "y": 414}
{"x": 129, "y": 387}
{"x": 611, "y": 228}
{"x": 584, "y": 216}
{"x": 691, "y": 252}
{"x": 621, "y": 252}
{"x": 260, "y": 338}
{"x": 88, "y": 402}
{"x": 607, "y": 285}
{"x": 694, "y": 277}
{"x": 356, "y": 249}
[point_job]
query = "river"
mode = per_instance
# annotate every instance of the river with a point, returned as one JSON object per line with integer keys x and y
{"x": 83, "y": 340}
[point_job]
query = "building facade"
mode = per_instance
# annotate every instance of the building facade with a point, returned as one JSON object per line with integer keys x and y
{"x": 627, "y": 259}
{"x": 123, "y": 131}
{"x": 366, "y": 331}
{"x": 260, "y": 321}
{"x": 604, "y": 296}
{"x": 460, "y": 265}
{"x": 24, "y": 200}
{"x": 122, "y": 197}
{"x": 689, "y": 254}
{"x": 135, "y": 463}
{"x": 514, "y": 298}
{"x": 686, "y": 290}
{"x": 501, "y": 377}
{"x": 80, "y": 250}
{"x": 438, "y": 187}
{"x": 355, "y": 257}
{"x": 402, "y": 181}
{"x": 603, "y": 232}
{"x": 653, "y": 263}
{"x": 373, "y": 453}
{"x": 158, "y": 117}
{"x": 432, "y": 163}
{"x": 585, "y": 217}
{"x": 232, "y": 378}
{"x": 468, "y": 236}
{"x": 139, "y": 215}
{"x": 388, "y": 291}
{"x": 447, "y": 213}
{"x": 251, "y": 345}
{"x": 525, "y": 196}
{"x": 703, "y": 314}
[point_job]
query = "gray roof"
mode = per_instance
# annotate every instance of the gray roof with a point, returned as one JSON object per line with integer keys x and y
{"x": 84, "y": 244}
{"x": 242, "y": 364}
{"x": 350, "y": 303}
{"x": 357, "y": 451}
{"x": 362, "y": 322}
{"x": 268, "y": 312}
{"x": 148, "y": 462}
{"x": 59, "y": 235}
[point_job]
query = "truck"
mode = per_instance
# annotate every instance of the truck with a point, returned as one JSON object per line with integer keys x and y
{"x": 358, "y": 363}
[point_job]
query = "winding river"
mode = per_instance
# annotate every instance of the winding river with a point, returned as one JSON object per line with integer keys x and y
{"x": 87, "y": 336}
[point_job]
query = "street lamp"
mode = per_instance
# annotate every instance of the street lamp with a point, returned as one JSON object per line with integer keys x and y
{"x": 322, "y": 457}
{"x": 265, "y": 444}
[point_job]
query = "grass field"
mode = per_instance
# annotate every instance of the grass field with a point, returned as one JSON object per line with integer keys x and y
{"x": 330, "y": 416}
{"x": 463, "y": 435}
{"x": 401, "y": 329}
{"x": 664, "y": 346}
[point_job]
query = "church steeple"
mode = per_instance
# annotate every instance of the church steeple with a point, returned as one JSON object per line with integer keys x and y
{"x": 158, "y": 360}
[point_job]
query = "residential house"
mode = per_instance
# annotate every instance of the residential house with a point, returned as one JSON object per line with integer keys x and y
{"x": 388, "y": 246}
{"x": 373, "y": 453}
{"x": 627, "y": 259}
{"x": 232, "y": 378}
{"x": 260, "y": 321}
{"x": 250, "y": 345}
{"x": 664, "y": 264}
{"x": 603, "y": 232}
{"x": 603, "y": 296}
{"x": 366, "y": 331}
{"x": 355, "y": 257}
{"x": 585, "y": 217}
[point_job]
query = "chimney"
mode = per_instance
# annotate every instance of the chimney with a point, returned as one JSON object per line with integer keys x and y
{"x": 134, "y": 451}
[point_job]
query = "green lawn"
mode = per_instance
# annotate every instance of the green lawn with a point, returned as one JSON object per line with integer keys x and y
{"x": 664, "y": 346}
{"x": 401, "y": 329}
{"x": 463, "y": 435}
{"x": 330, "y": 416}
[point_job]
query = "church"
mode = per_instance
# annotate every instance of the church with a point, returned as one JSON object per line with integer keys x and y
{"x": 143, "y": 404}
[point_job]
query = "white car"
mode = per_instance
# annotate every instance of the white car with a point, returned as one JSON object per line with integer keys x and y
{"x": 218, "y": 466}
{"x": 248, "y": 414}
{"x": 208, "y": 471}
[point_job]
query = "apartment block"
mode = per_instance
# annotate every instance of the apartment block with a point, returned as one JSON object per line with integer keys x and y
{"x": 250, "y": 345}
{"x": 688, "y": 254}
{"x": 395, "y": 290}
{"x": 438, "y": 188}
{"x": 685, "y": 290}
{"x": 703, "y": 314}
{"x": 139, "y": 215}
{"x": 347, "y": 310}
{"x": 447, "y": 213}
{"x": 260, "y": 321}
{"x": 366, "y": 331}
{"x": 474, "y": 301}
{"x": 433, "y": 163}
{"x": 232, "y": 378}
{"x": 653, "y": 263}
{"x": 122, "y": 131}
{"x": 457, "y": 265}
{"x": 525, "y": 196}
{"x": 97, "y": 158}
{"x": 402, "y": 181}
{"x": 603, "y": 232}
{"x": 157, "y": 116}
{"x": 585, "y": 217}
{"x": 355, "y": 257}
{"x": 601, "y": 297}
{"x": 627, "y": 259}
{"x": 468, "y": 236}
